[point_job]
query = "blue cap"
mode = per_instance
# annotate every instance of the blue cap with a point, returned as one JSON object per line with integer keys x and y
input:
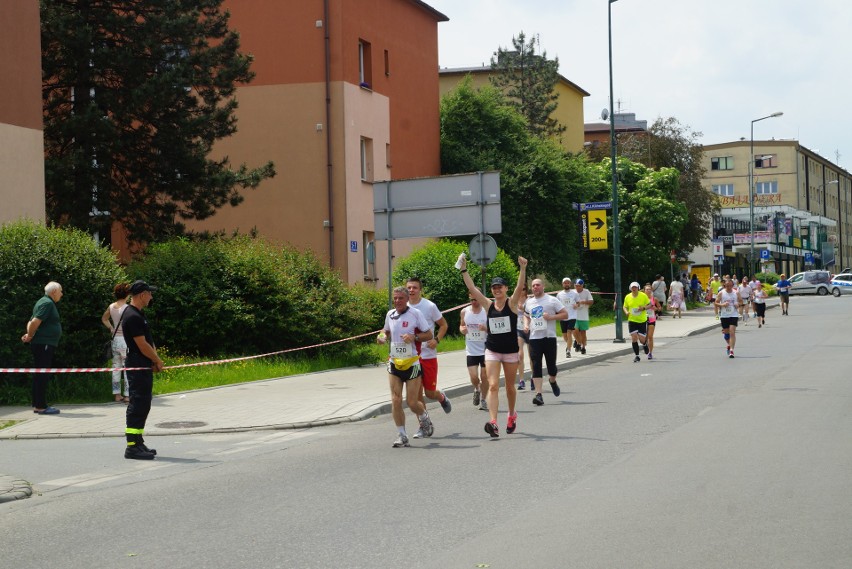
{"x": 580, "y": 282}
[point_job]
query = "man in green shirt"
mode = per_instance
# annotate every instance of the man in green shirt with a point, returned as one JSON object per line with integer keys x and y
{"x": 43, "y": 332}
{"x": 636, "y": 305}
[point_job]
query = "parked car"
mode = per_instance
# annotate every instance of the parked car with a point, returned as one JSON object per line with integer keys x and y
{"x": 811, "y": 282}
{"x": 841, "y": 284}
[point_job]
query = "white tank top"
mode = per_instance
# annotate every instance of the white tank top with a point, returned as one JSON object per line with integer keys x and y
{"x": 115, "y": 313}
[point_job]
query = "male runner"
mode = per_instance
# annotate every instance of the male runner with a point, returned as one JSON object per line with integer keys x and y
{"x": 474, "y": 326}
{"x": 567, "y": 297}
{"x": 727, "y": 301}
{"x": 636, "y": 305}
{"x": 582, "y": 304}
{"x": 539, "y": 311}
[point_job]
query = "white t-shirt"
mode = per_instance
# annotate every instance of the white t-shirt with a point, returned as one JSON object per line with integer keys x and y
{"x": 732, "y": 298}
{"x": 583, "y": 309}
{"x": 535, "y": 309}
{"x": 477, "y": 330}
{"x": 409, "y": 322}
{"x": 745, "y": 292}
{"x": 568, "y": 298}
{"x": 432, "y": 314}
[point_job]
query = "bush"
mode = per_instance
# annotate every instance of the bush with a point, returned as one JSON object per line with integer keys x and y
{"x": 31, "y": 255}
{"x": 442, "y": 283}
{"x": 242, "y": 296}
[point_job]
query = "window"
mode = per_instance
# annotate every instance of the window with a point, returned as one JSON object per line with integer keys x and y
{"x": 387, "y": 156}
{"x": 722, "y": 163}
{"x": 723, "y": 189}
{"x": 369, "y": 253}
{"x": 365, "y": 64}
{"x": 387, "y": 64}
{"x": 366, "y": 159}
{"x": 766, "y": 161}
{"x": 762, "y": 188}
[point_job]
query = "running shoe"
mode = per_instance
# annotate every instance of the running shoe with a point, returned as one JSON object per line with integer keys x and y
{"x": 583, "y": 349}
{"x": 567, "y": 351}
{"x": 650, "y": 356}
{"x": 728, "y": 350}
{"x": 511, "y": 423}
{"x": 555, "y": 388}
{"x": 492, "y": 429}
{"x": 426, "y": 426}
{"x": 576, "y": 346}
{"x": 401, "y": 441}
{"x": 635, "y": 359}
{"x": 521, "y": 385}
{"x": 759, "y": 325}
{"x": 645, "y": 348}
{"x": 717, "y": 317}
{"x": 483, "y": 405}
{"x": 538, "y": 399}
{"x": 419, "y": 434}
{"x": 445, "y": 403}
{"x": 731, "y": 354}
{"x": 476, "y": 396}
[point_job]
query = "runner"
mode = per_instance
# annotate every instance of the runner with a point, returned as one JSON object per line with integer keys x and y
{"x": 759, "y": 304}
{"x": 652, "y": 322}
{"x": 727, "y": 301}
{"x": 567, "y": 297}
{"x": 501, "y": 345}
{"x": 474, "y": 327}
{"x": 659, "y": 288}
{"x": 523, "y": 343}
{"x": 407, "y": 328}
{"x": 712, "y": 290}
{"x": 428, "y": 352}
{"x": 636, "y": 306}
{"x": 581, "y": 305}
{"x": 783, "y": 286}
{"x": 539, "y": 311}
{"x": 746, "y": 295}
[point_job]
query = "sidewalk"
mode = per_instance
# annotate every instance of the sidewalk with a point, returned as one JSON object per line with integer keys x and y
{"x": 310, "y": 400}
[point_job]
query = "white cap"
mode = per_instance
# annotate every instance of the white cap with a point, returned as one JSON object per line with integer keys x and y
{"x": 634, "y": 283}
{"x": 566, "y": 280}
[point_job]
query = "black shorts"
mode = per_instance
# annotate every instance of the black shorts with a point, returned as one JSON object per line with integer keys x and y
{"x": 476, "y": 360}
{"x": 640, "y": 328}
{"x": 524, "y": 335}
{"x": 760, "y": 309}
{"x": 543, "y": 347}
{"x": 405, "y": 374}
{"x": 729, "y": 321}
{"x": 567, "y": 325}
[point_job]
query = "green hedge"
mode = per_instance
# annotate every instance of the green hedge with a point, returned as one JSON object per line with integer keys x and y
{"x": 31, "y": 255}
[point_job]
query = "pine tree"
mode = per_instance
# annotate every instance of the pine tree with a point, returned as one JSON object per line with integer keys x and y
{"x": 528, "y": 81}
{"x": 135, "y": 94}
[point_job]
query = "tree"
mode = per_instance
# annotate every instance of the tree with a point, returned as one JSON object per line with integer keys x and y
{"x": 480, "y": 131}
{"x": 668, "y": 144}
{"x": 135, "y": 94}
{"x": 528, "y": 80}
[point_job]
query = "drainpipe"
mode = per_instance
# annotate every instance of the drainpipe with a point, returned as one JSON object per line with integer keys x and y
{"x": 329, "y": 181}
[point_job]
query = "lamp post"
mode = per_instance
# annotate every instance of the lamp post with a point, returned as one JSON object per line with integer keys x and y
{"x": 616, "y": 244}
{"x": 751, "y": 190}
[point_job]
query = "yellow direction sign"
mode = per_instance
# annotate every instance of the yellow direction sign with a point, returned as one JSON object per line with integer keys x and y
{"x": 597, "y": 229}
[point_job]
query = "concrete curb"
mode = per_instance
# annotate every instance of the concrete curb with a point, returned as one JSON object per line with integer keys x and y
{"x": 14, "y": 489}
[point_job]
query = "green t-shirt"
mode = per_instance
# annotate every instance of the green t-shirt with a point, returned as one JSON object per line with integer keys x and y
{"x": 635, "y": 306}
{"x": 50, "y": 328}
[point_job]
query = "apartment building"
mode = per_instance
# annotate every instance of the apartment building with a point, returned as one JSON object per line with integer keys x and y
{"x": 346, "y": 93}
{"x": 800, "y": 208}
{"x": 21, "y": 135}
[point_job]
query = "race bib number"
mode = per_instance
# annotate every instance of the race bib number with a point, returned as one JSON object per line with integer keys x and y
{"x": 500, "y": 325}
{"x": 474, "y": 334}
{"x": 401, "y": 350}
{"x": 729, "y": 311}
{"x": 635, "y": 311}
{"x": 538, "y": 324}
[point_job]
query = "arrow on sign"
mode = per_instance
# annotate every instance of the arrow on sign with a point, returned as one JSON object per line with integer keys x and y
{"x": 598, "y": 223}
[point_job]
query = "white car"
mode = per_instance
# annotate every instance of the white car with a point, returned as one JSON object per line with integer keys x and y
{"x": 841, "y": 284}
{"x": 810, "y": 282}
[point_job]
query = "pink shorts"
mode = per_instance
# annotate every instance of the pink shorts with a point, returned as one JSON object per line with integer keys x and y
{"x": 430, "y": 373}
{"x": 511, "y": 358}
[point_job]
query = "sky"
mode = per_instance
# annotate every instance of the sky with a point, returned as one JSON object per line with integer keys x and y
{"x": 714, "y": 65}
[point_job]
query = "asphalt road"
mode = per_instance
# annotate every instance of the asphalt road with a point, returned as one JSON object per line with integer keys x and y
{"x": 692, "y": 460}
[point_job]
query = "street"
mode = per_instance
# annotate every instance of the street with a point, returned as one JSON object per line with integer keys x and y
{"x": 690, "y": 460}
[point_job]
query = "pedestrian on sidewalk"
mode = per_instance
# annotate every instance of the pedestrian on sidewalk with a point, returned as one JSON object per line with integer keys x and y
{"x": 501, "y": 345}
{"x": 567, "y": 296}
{"x": 636, "y": 306}
{"x": 659, "y": 289}
{"x": 676, "y": 298}
{"x": 406, "y": 328}
{"x": 582, "y": 302}
{"x": 652, "y": 322}
{"x": 42, "y": 334}
{"x": 474, "y": 326}
{"x": 727, "y": 301}
{"x": 429, "y": 351}
{"x": 141, "y": 353}
{"x": 540, "y": 310}
{"x": 111, "y": 318}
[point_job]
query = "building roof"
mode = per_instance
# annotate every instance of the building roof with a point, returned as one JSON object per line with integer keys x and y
{"x": 438, "y": 15}
{"x": 488, "y": 70}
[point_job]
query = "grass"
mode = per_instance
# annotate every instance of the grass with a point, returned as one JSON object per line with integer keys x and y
{"x": 7, "y": 424}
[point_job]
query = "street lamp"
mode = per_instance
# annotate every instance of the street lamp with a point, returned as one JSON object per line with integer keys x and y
{"x": 751, "y": 190}
{"x": 616, "y": 244}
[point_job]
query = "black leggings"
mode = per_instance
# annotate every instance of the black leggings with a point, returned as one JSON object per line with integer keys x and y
{"x": 543, "y": 347}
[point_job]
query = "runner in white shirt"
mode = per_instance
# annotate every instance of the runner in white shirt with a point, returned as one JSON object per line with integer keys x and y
{"x": 474, "y": 326}
{"x": 759, "y": 300}
{"x": 727, "y": 301}
{"x": 567, "y": 296}
{"x": 745, "y": 292}
{"x": 539, "y": 311}
{"x": 581, "y": 304}
{"x": 405, "y": 328}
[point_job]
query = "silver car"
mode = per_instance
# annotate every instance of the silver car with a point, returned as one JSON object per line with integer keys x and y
{"x": 841, "y": 284}
{"x": 811, "y": 282}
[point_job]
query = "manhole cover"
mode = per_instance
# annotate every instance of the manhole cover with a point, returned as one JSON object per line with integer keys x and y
{"x": 181, "y": 425}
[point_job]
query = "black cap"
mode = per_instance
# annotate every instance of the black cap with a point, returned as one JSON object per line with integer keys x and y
{"x": 499, "y": 281}
{"x": 141, "y": 286}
